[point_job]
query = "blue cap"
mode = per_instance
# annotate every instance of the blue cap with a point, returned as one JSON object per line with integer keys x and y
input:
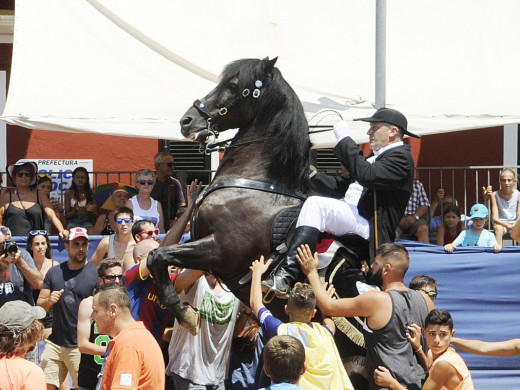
{"x": 478, "y": 210}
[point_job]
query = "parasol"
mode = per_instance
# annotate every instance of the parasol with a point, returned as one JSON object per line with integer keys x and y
{"x": 103, "y": 192}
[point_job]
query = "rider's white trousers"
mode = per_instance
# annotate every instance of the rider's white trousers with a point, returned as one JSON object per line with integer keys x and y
{"x": 334, "y": 216}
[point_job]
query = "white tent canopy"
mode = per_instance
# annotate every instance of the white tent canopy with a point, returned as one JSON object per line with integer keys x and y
{"x": 127, "y": 67}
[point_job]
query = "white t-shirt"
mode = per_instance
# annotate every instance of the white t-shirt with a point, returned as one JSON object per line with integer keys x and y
{"x": 152, "y": 213}
{"x": 203, "y": 359}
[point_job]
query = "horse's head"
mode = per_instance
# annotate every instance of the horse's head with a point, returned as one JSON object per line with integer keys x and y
{"x": 235, "y": 101}
{"x": 254, "y": 98}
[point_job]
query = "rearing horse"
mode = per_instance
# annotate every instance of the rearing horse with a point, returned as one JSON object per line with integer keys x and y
{"x": 263, "y": 171}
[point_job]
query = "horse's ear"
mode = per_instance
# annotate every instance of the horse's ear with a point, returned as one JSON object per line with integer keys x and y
{"x": 269, "y": 64}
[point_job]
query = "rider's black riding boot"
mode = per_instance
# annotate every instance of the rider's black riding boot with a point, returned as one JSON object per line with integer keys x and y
{"x": 285, "y": 276}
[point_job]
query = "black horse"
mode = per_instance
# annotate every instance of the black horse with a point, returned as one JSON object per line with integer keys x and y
{"x": 264, "y": 172}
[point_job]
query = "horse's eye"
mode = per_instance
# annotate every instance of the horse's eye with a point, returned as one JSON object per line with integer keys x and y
{"x": 233, "y": 87}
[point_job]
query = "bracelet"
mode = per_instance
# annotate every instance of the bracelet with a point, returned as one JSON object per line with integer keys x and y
{"x": 418, "y": 349}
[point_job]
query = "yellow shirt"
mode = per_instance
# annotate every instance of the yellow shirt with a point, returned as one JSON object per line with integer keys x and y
{"x": 325, "y": 369}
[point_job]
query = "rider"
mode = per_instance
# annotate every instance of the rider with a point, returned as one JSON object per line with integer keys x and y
{"x": 384, "y": 179}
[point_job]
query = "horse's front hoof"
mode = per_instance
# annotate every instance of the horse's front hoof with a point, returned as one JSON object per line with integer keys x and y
{"x": 189, "y": 318}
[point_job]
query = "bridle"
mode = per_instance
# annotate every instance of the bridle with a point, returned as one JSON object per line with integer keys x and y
{"x": 211, "y": 130}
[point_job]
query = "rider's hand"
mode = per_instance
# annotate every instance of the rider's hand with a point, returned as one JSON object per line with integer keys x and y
{"x": 259, "y": 267}
{"x": 308, "y": 262}
{"x": 341, "y": 130}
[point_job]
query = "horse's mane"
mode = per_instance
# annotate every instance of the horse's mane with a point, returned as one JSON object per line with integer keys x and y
{"x": 281, "y": 112}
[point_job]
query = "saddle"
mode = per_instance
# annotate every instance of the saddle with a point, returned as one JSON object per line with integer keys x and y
{"x": 285, "y": 222}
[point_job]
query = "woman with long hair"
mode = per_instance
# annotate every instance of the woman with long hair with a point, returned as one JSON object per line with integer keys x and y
{"x": 23, "y": 208}
{"x": 80, "y": 206}
{"x": 39, "y": 247}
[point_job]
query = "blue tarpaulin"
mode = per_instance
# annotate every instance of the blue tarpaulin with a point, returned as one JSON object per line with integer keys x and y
{"x": 481, "y": 291}
{"x": 478, "y": 287}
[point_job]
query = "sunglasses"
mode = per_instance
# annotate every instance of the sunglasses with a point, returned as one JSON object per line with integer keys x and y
{"x": 112, "y": 277}
{"x": 143, "y": 182}
{"x": 431, "y": 294}
{"x": 23, "y": 173}
{"x": 121, "y": 220}
{"x": 5, "y": 230}
{"x": 38, "y": 232}
{"x": 150, "y": 232}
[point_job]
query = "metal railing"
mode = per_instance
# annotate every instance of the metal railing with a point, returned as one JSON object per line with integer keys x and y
{"x": 464, "y": 183}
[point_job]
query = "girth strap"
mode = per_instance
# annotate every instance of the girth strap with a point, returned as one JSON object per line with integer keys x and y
{"x": 253, "y": 185}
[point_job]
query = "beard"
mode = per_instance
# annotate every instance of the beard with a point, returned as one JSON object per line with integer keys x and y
{"x": 376, "y": 278}
{"x": 80, "y": 257}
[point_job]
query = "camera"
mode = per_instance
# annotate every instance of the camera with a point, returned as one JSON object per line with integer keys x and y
{"x": 9, "y": 247}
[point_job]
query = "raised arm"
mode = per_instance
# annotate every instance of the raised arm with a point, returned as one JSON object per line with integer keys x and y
{"x": 488, "y": 348}
{"x": 186, "y": 279}
{"x": 436, "y": 201}
{"x": 175, "y": 233}
{"x": 362, "y": 305}
{"x": 257, "y": 268}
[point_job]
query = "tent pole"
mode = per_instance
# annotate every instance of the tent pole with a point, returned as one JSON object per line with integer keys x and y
{"x": 380, "y": 53}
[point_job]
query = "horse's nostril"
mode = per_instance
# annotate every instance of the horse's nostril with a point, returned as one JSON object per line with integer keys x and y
{"x": 186, "y": 121}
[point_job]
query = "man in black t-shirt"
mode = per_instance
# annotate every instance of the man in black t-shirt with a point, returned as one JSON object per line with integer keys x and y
{"x": 167, "y": 190}
{"x": 64, "y": 287}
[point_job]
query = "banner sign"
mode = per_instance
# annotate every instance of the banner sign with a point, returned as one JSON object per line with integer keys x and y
{"x": 60, "y": 171}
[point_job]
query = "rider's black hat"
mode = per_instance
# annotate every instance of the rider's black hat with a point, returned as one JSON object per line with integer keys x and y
{"x": 391, "y": 116}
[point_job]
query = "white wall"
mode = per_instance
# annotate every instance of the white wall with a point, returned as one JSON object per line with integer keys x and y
{"x": 511, "y": 145}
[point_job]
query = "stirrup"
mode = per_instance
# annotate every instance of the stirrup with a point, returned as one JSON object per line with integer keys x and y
{"x": 271, "y": 294}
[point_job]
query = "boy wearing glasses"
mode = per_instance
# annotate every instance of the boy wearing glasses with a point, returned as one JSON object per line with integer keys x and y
{"x": 143, "y": 230}
{"x": 167, "y": 190}
{"x": 64, "y": 287}
{"x": 121, "y": 244}
{"x": 426, "y": 284}
{"x": 91, "y": 344}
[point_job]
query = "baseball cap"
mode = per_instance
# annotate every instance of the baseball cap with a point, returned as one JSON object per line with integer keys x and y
{"x": 18, "y": 315}
{"x": 389, "y": 115}
{"x": 478, "y": 211}
{"x": 77, "y": 232}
